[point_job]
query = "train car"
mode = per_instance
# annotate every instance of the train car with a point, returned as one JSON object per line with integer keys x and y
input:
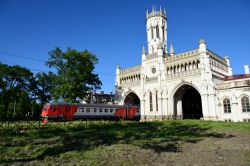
{"x": 71, "y": 111}
{"x": 59, "y": 111}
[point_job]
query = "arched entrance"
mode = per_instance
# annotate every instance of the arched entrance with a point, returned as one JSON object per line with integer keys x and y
{"x": 187, "y": 103}
{"x": 132, "y": 99}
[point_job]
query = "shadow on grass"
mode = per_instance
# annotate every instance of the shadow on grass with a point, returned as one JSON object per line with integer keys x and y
{"x": 157, "y": 136}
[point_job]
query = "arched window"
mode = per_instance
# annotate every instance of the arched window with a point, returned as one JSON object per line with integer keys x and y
{"x": 150, "y": 101}
{"x": 157, "y": 32}
{"x": 163, "y": 32}
{"x": 245, "y": 104}
{"x": 227, "y": 106}
{"x": 152, "y": 32}
{"x": 156, "y": 98}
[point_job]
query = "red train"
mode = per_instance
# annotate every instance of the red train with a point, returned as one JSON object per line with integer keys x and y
{"x": 71, "y": 111}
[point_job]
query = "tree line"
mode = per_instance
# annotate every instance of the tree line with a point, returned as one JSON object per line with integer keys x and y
{"x": 22, "y": 92}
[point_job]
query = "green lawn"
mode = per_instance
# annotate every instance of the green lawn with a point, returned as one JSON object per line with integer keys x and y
{"x": 115, "y": 143}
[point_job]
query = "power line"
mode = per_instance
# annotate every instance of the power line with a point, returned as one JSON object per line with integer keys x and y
{"x": 38, "y": 60}
{"x": 24, "y": 57}
{"x": 32, "y": 69}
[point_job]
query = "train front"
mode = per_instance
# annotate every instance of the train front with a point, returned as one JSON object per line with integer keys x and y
{"x": 45, "y": 113}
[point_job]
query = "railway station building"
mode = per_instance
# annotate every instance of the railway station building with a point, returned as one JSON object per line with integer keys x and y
{"x": 196, "y": 84}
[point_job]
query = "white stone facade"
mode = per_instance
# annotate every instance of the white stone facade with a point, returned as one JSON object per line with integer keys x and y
{"x": 194, "y": 84}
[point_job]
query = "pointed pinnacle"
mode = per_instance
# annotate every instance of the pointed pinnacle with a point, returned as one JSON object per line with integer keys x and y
{"x": 171, "y": 49}
{"x": 143, "y": 50}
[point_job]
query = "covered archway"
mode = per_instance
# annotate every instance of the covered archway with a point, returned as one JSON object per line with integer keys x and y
{"x": 187, "y": 103}
{"x": 132, "y": 99}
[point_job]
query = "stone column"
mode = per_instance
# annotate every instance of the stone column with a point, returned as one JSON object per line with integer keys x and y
{"x": 143, "y": 111}
{"x": 212, "y": 107}
{"x": 179, "y": 110}
{"x": 160, "y": 106}
{"x": 205, "y": 106}
{"x": 234, "y": 105}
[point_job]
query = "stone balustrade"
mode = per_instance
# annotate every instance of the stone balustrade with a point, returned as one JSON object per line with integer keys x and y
{"x": 184, "y": 73}
{"x": 181, "y": 56}
{"x": 217, "y": 58}
{"x": 131, "y": 69}
{"x": 235, "y": 84}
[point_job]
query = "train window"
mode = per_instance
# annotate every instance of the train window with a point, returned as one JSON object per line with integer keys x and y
{"x": 106, "y": 110}
{"x": 81, "y": 110}
{"x": 111, "y": 110}
{"x": 100, "y": 109}
{"x": 94, "y": 109}
{"x": 87, "y": 109}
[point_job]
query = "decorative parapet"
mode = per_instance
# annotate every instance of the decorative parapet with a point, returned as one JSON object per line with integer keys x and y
{"x": 184, "y": 73}
{"x": 156, "y": 13}
{"x": 235, "y": 84}
{"x": 224, "y": 86}
{"x": 130, "y": 84}
{"x": 131, "y": 69}
{"x": 216, "y": 57}
{"x": 218, "y": 64}
{"x": 183, "y": 56}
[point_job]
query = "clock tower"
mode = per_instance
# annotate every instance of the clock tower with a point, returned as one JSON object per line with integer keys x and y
{"x": 156, "y": 24}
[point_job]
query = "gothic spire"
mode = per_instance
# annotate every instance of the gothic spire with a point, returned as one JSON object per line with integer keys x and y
{"x": 171, "y": 49}
{"x": 202, "y": 41}
{"x": 143, "y": 50}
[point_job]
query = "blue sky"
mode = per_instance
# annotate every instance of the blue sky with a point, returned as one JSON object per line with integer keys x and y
{"x": 114, "y": 30}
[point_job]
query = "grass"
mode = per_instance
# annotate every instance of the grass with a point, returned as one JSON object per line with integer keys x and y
{"x": 102, "y": 143}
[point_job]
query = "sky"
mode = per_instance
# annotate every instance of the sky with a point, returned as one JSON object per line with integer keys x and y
{"x": 115, "y": 30}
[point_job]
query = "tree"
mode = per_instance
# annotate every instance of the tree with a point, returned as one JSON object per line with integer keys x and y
{"x": 44, "y": 86}
{"x": 15, "y": 83}
{"x": 75, "y": 76}
{"x": 118, "y": 94}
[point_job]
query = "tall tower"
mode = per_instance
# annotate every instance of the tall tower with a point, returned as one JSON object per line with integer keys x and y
{"x": 156, "y": 24}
